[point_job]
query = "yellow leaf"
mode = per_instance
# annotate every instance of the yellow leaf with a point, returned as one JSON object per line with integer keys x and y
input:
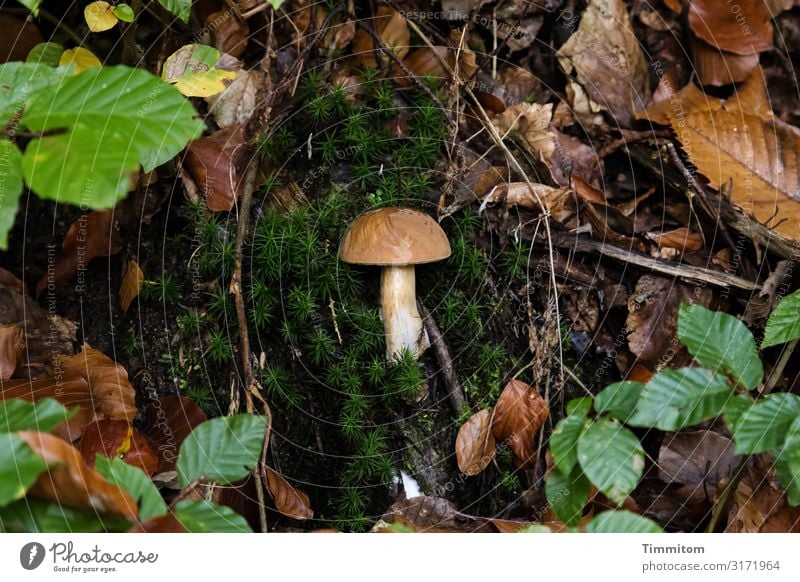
{"x": 100, "y": 16}
{"x": 82, "y": 59}
{"x": 205, "y": 83}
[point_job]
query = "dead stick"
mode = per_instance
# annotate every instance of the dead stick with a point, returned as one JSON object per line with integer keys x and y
{"x": 454, "y": 391}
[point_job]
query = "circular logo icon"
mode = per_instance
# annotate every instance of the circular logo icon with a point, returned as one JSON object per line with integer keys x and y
{"x": 31, "y": 555}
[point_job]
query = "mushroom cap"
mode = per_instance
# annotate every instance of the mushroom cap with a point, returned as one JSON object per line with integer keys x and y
{"x": 394, "y": 236}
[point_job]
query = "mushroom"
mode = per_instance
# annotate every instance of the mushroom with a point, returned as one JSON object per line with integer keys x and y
{"x": 397, "y": 239}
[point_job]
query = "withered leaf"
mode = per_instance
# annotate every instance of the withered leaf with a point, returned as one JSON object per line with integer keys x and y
{"x": 605, "y": 54}
{"x": 696, "y": 457}
{"x": 426, "y": 514}
{"x": 168, "y": 421}
{"x": 117, "y": 438}
{"x": 683, "y": 240}
{"x": 11, "y": 349}
{"x": 289, "y": 501}
{"x": 229, "y": 33}
{"x": 518, "y": 415}
{"x": 760, "y": 506}
{"x": 392, "y": 29}
{"x": 132, "y": 282}
{"x": 217, "y": 165}
{"x": 743, "y": 30}
{"x": 717, "y": 67}
{"x": 475, "y": 444}
{"x": 237, "y": 102}
{"x": 68, "y": 481}
{"x": 92, "y": 235}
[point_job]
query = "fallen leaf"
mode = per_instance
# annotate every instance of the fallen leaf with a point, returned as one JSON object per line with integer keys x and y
{"x": 696, "y": 457}
{"x": 167, "y": 423}
{"x": 68, "y": 481}
{"x": 760, "y": 506}
{"x": 742, "y": 28}
{"x": 424, "y": 62}
{"x": 92, "y": 235}
{"x": 653, "y": 319}
{"x": 217, "y": 165}
{"x": 117, "y": 438}
{"x": 518, "y": 415}
{"x": 11, "y": 349}
{"x": 80, "y": 57}
{"x": 99, "y": 16}
{"x": 197, "y": 70}
{"x": 289, "y": 501}
{"x": 475, "y": 445}
{"x": 425, "y": 514}
{"x": 20, "y": 35}
{"x": 683, "y": 240}
{"x": 716, "y": 67}
{"x": 555, "y": 200}
{"x": 166, "y": 523}
{"x": 131, "y": 285}
{"x": 229, "y": 33}
{"x": 237, "y": 103}
{"x": 607, "y": 59}
{"x": 9, "y": 279}
{"x": 392, "y": 29}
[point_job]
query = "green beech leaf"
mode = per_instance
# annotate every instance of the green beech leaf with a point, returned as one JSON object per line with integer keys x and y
{"x": 721, "y": 342}
{"x": 223, "y": 449}
{"x": 32, "y": 5}
{"x": 85, "y": 166}
{"x": 130, "y": 104}
{"x": 764, "y": 425}
{"x": 32, "y": 515}
{"x": 579, "y": 407}
{"x": 611, "y": 457}
{"x": 619, "y": 400}
{"x": 46, "y": 53}
{"x": 124, "y": 12}
{"x": 783, "y": 324}
{"x": 42, "y": 416}
{"x": 134, "y": 481}
{"x": 564, "y": 443}
{"x": 674, "y": 399}
{"x": 567, "y": 495}
{"x": 206, "y": 517}
{"x": 622, "y": 521}
{"x": 180, "y": 8}
{"x": 787, "y": 463}
{"x": 22, "y": 82}
{"x": 10, "y": 188}
{"x": 19, "y": 467}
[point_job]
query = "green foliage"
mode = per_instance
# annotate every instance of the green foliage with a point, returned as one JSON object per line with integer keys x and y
{"x": 135, "y": 482}
{"x": 43, "y": 416}
{"x": 223, "y": 449}
{"x": 180, "y": 8}
{"x": 591, "y": 441}
{"x": 721, "y": 342}
{"x": 206, "y": 517}
{"x": 622, "y": 521}
{"x": 19, "y": 467}
{"x": 784, "y": 322}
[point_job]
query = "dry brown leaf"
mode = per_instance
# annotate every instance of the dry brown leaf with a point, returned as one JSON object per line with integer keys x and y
{"x": 653, "y": 318}
{"x": 742, "y": 28}
{"x": 426, "y": 514}
{"x": 392, "y": 29}
{"x": 289, "y": 501}
{"x": 424, "y": 62}
{"x": 68, "y": 481}
{"x": 607, "y": 58}
{"x": 9, "y": 279}
{"x": 759, "y": 506}
{"x": 475, "y": 445}
{"x": 228, "y": 32}
{"x": 238, "y": 101}
{"x": 717, "y": 67}
{"x": 132, "y": 282}
{"x": 674, "y": 5}
{"x": 12, "y": 348}
{"x": 518, "y": 415}
{"x": 216, "y": 163}
{"x": 20, "y": 35}
{"x": 117, "y": 438}
{"x": 696, "y": 457}
{"x": 92, "y": 235}
{"x": 166, "y": 523}
{"x": 167, "y": 423}
{"x": 683, "y": 240}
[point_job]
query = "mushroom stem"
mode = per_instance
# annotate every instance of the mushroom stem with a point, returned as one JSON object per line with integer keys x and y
{"x": 401, "y": 320}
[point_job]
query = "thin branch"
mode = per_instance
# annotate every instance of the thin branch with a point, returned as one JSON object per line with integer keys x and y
{"x": 454, "y": 391}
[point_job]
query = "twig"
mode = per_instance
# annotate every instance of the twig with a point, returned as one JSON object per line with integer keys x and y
{"x": 780, "y": 366}
{"x": 454, "y": 391}
{"x": 719, "y": 278}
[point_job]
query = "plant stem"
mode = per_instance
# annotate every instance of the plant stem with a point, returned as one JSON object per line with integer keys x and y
{"x": 780, "y": 365}
{"x": 454, "y": 391}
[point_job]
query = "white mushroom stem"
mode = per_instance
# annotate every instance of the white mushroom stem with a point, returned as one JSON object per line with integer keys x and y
{"x": 401, "y": 320}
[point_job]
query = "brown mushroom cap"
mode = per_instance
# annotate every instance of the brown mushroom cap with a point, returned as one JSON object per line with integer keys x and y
{"x": 394, "y": 236}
